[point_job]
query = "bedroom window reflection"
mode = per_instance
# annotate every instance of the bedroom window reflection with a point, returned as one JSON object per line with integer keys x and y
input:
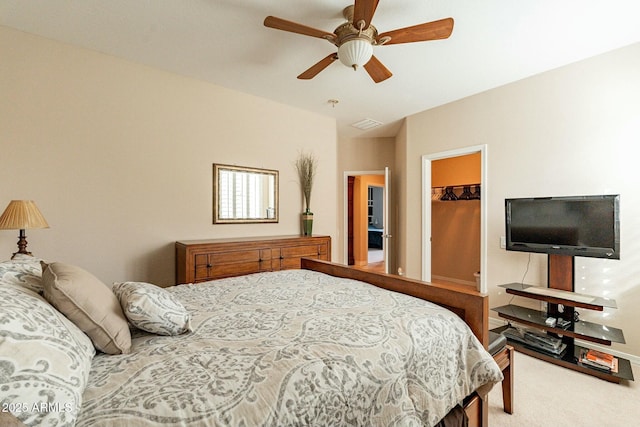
{"x": 243, "y": 194}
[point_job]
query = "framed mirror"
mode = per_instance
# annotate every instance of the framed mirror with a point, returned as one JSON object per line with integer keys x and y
{"x": 243, "y": 195}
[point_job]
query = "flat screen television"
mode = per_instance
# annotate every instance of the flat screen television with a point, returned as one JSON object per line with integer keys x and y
{"x": 586, "y": 226}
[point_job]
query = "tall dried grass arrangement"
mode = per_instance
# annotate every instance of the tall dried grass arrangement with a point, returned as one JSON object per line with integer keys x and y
{"x": 306, "y": 164}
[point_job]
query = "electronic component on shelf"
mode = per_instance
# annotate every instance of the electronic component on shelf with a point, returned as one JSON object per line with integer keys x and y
{"x": 551, "y": 322}
{"x": 542, "y": 342}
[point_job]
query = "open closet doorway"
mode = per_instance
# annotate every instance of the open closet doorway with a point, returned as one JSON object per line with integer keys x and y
{"x": 454, "y": 217}
{"x": 367, "y": 239}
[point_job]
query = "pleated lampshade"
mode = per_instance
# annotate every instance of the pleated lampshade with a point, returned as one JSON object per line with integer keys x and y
{"x": 21, "y": 215}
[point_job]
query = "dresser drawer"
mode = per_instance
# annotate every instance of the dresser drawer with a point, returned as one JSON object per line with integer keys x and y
{"x": 289, "y": 257}
{"x": 209, "y": 266}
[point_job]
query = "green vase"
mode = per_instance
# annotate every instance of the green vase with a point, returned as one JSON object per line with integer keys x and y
{"x": 307, "y": 223}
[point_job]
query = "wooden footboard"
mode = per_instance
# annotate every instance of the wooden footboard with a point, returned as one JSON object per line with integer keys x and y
{"x": 470, "y": 305}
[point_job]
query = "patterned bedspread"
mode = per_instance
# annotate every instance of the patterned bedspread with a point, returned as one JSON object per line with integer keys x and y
{"x": 292, "y": 348}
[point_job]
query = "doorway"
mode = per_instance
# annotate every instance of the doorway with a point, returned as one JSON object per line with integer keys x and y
{"x": 375, "y": 228}
{"x": 479, "y": 279}
{"x": 367, "y": 220}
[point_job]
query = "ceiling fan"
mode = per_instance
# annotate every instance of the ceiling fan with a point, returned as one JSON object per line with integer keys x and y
{"x": 356, "y": 37}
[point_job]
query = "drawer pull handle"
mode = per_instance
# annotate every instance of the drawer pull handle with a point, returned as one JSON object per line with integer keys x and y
{"x": 209, "y": 266}
{"x": 281, "y": 257}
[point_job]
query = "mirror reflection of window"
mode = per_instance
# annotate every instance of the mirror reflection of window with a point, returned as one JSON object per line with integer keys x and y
{"x": 245, "y": 194}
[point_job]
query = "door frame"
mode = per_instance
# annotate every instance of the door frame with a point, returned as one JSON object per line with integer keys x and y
{"x": 426, "y": 208}
{"x": 345, "y": 219}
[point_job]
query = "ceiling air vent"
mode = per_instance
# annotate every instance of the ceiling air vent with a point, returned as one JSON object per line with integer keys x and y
{"x": 366, "y": 124}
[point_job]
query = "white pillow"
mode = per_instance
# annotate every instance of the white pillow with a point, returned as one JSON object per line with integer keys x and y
{"x": 152, "y": 309}
{"x": 22, "y": 270}
{"x": 44, "y": 360}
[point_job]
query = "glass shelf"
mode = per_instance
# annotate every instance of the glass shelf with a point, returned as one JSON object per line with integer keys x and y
{"x": 570, "y": 358}
{"x": 556, "y": 296}
{"x": 588, "y": 331}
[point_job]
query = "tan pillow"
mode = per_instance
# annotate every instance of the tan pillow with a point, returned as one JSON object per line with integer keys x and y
{"x": 88, "y": 303}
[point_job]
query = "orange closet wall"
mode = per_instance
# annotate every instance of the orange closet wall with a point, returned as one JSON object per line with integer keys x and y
{"x": 455, "y": 225}
{"x": 458, "y": 170}
{"x": 360, "y": 223}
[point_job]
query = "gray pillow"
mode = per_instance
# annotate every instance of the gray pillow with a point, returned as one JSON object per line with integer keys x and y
{"x": 152, "y": 309}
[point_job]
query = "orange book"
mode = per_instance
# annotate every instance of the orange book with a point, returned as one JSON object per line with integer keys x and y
{"x": 604, "y": 359}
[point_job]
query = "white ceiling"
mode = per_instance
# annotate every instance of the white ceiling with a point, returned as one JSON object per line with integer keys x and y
{"x": 494, "y": 42}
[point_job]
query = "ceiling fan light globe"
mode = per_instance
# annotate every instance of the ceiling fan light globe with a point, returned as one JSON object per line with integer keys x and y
{"x": 355, "y": 53}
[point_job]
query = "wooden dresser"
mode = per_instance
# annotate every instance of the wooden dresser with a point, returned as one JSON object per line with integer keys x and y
{"x": 202, "y": 260}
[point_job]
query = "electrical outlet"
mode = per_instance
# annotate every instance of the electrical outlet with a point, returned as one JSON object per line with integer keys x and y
{"x": 503, "y": 242}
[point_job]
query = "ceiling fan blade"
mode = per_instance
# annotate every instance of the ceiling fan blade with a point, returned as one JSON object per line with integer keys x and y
{"x": 293, "y": 27}
{"x": 435, "y": 30}
{"x": 377, "y": 70}
{"x": 317, "y": 67}
{"x": 363, "y": 10}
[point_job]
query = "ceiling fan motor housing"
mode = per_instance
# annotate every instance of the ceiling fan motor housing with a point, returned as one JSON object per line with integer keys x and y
{"x": 355, "y": 47}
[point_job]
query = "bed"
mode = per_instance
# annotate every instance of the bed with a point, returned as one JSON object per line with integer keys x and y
{"x": 316, "y": 346}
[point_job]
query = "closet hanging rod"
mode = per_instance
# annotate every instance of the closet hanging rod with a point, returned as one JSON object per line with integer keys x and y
{"x": 456, "y": 186}
{"x": 448, "y": 193}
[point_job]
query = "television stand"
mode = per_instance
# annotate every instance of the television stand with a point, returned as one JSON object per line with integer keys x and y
{"x": 560, "y": 294}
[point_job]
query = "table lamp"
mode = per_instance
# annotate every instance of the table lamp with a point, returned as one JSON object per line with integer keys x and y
{"x": 20, "y": 215}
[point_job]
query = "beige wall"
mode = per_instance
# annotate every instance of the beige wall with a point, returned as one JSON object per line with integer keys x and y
{"x": 118, "y": 157}
{"x": 400, "y": 195}
{"x": 570, "y": 131}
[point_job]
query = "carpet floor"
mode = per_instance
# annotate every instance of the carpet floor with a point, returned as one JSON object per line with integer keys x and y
{"x": 546, "y": 395}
